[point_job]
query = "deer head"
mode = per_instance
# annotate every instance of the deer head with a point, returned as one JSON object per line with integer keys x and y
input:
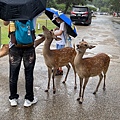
{"x": 49, "y": 34}
{"x": 83, "y": 45}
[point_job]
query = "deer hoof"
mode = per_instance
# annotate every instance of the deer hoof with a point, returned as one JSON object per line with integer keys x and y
{"x": 94, "y": 92}
{"x": 78, "y": 99}
{"x": 54, "y": 92}
{"x": 63, "y": 82}
{"x": 104, "y": 88}
{"x": 75, "y": 87}
{"x": 46, "y": 90}
{"x": 80, "y": 102}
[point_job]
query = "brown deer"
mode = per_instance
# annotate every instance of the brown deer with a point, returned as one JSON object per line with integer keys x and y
{"x": 57, "y": 58}
{"x": 4, "y": 50}
{"x": 89, "y": 67}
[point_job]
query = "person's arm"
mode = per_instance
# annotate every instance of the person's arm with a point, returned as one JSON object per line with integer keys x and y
{"x": 6, "y": 23}
{"x": 60, "y": 31}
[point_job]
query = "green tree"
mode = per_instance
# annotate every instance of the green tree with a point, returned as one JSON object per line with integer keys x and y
{"x": 52, "y": 3}
{"x": 101, "y": 3}
{"x": 115, "y": 5}
{"x": 67, "y": 3}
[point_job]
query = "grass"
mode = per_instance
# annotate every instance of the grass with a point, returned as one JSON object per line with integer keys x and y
{"x": 42, "y": 20}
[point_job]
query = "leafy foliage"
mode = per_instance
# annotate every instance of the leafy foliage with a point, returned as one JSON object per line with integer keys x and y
{"x": 67, "y": 4}
{"x": 103, "y": 5}
{"x": 107, "y": 5}
{"x": 52, "y": 3}
{"x": 115, "y": 5}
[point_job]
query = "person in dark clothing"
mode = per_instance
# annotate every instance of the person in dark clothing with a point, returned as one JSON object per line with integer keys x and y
{"x": 17, "y": 53}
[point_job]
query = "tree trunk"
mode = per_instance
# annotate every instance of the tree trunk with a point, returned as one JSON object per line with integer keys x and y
{"x": 66, "y": 7}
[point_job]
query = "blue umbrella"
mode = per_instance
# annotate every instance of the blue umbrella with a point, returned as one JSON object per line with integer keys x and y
{"x": 71, "y": 30}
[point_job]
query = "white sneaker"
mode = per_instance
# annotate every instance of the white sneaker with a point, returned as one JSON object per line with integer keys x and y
{"x": 13, "y": 102}
{"x": 28, "y": 103}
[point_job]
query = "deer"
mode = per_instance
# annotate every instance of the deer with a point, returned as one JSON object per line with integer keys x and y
{"x": 39, "y": 40}
{"x": 89, "y": 67}
{"x": 4, "y": 50}
{"x": 55, "y": 58}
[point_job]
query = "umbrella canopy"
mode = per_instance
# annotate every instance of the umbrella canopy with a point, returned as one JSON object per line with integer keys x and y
{"x": 21, "y": 9}
{"x": 71, "y": 30}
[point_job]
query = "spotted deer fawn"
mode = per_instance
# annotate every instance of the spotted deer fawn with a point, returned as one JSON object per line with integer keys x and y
{"x": 89, "y": 67}
{"x": 57, "y": 58}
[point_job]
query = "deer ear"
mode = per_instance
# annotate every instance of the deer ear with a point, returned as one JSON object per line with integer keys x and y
{"x": 91, "y": 46}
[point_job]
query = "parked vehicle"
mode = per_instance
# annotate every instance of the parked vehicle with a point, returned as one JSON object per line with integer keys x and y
{"x": 81, "y": 15}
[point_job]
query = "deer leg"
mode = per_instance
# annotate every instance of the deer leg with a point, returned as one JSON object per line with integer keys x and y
{"x": 100, "y": 76}
{"x": 84, "y": 86}
{"x": 81, "y": 82}
{"x": 75, "y": 87}
{"x": 49, "y": 76}
{"x": 104, "y": 82}
{"x": 53, "y": 76}
{"x": 68, "y": 69}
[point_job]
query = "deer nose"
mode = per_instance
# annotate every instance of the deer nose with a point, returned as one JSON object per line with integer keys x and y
{"x": 77, "y": 46}
{"x": 43, "y": 27}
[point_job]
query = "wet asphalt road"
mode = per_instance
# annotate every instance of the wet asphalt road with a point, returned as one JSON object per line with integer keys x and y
{"x": 105, "y": 105}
